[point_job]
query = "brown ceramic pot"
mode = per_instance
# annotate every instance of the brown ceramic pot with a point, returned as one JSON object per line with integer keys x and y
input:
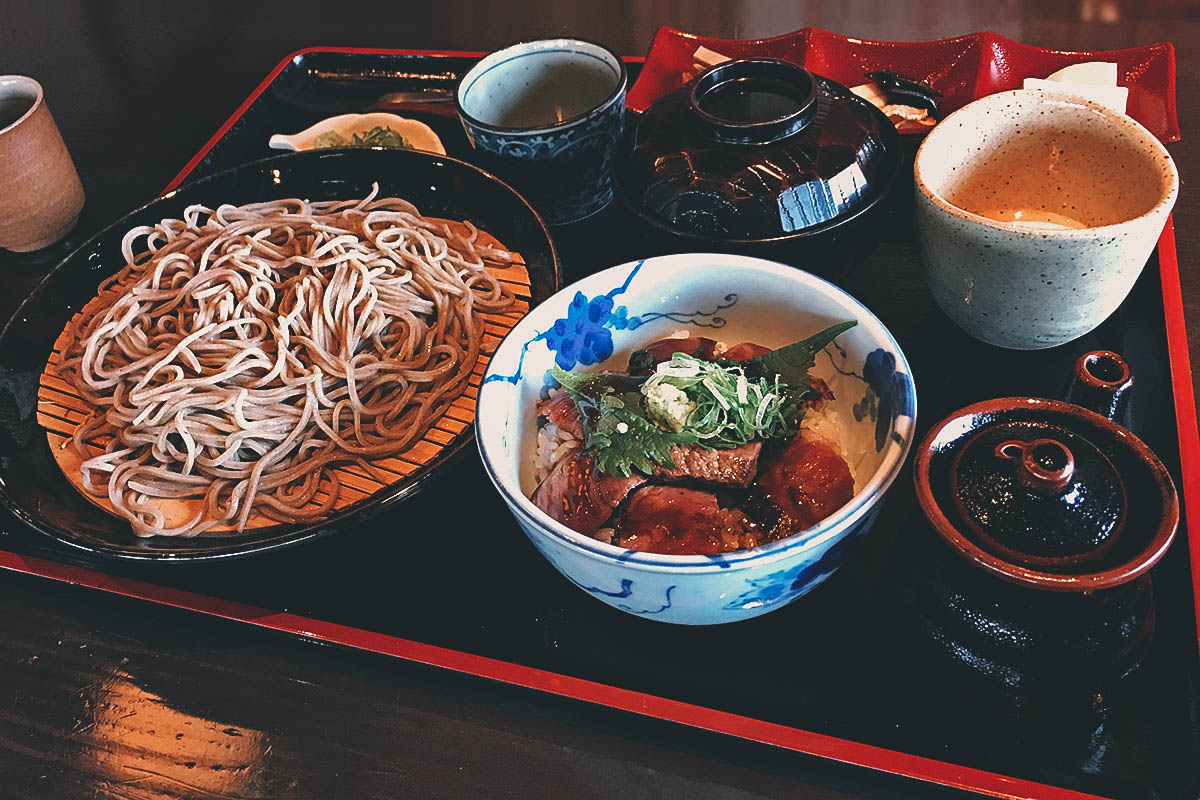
{"x": 41, "y": 196}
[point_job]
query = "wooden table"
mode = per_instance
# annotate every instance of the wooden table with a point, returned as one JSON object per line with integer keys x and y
{"x": 101, "y": 697}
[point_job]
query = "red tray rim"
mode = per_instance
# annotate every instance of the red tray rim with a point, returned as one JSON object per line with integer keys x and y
{"x": 639, "y": 99}
{"x": 837, "y": 749}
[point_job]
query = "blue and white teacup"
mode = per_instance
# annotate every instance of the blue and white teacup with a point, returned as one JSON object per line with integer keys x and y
{"x": 546, "y": 116}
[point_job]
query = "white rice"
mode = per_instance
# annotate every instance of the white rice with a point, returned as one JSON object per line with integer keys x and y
{"x": 553, "y": 444}
{"x": 826, "y": 425}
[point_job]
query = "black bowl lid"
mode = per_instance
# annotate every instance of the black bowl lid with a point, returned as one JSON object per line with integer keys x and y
{"x": 757, "y": 149}
{"x": 753, "y": 101}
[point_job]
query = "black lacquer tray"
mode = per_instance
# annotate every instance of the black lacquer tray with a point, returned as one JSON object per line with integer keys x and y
{"x": 455, "y": 584}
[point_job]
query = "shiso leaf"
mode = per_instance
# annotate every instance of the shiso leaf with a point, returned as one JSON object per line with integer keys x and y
{"x": 792, "y": 362}
{"x": 736, "y": 402}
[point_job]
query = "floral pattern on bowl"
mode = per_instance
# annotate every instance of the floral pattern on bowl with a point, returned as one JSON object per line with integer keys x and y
{"x": 583, "y": 335}
{"x": 886, "y": 391}
{"x": 598, "y": 321}
{"x": 784, "y": 586}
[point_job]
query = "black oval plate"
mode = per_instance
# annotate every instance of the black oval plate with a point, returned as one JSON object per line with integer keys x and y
{"x": 31, "y": 484}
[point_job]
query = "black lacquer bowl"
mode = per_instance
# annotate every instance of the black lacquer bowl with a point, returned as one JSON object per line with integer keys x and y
{"x": 31, "y": 484}
{"x": 761, "y": 156}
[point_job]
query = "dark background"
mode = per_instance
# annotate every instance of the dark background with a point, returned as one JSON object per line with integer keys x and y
{"x": 137, "y": 88}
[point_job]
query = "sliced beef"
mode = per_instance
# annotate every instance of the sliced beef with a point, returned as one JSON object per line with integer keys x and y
{"x": 562, "y": 411}
{"x": 643, "y": 361}
{"x": 733, "y": 467}
{"x": 580, "y": 497}
{"x": 822, "y": 388}
{"x": 675, "y": 521}
{"x": 744, "y": 351}
{"x": 806, "y": 482}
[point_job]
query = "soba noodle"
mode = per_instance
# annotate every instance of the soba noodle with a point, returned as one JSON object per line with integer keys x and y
{"x": 243, "y": 353}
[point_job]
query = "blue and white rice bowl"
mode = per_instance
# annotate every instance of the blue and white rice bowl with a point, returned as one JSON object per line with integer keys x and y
{"x": 595, "y": 323}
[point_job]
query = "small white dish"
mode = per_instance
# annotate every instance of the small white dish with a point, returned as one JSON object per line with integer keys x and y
{"x": 418, "y": 135}
{"x": 1093, "y": 80}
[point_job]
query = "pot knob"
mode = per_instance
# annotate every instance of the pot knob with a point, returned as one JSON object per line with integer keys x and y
{"x": 1044, "y": 466}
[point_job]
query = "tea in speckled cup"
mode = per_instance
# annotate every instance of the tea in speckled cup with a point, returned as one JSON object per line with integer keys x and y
{"x": 1036, "y": 212}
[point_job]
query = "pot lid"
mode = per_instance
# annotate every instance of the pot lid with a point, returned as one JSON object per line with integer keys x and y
{"x": 1046, "y": 493}
{"x": 1037, "y": 493}
{"x": 758, "y": 148}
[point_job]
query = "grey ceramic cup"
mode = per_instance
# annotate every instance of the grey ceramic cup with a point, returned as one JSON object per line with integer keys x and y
{"x": 546, "y": 116}
{"x": 1036, "y": 212}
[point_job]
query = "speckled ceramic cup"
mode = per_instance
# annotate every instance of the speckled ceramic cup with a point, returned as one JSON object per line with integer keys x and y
{"x": 1036, "y": 212}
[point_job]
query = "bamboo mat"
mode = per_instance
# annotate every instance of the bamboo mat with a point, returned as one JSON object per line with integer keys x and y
{"x": 60, "y": 410}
